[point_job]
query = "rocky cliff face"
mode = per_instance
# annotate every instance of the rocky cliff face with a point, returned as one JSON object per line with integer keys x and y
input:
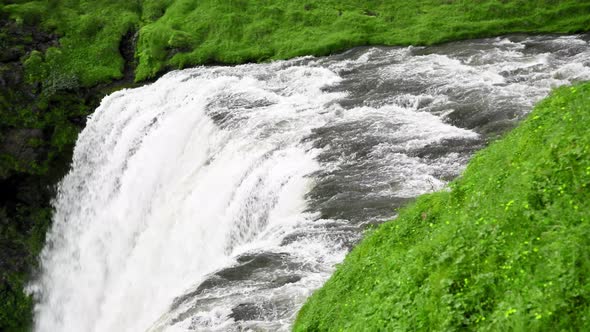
{"x": 38, "y": 129}
{"x": 25, "y": 161}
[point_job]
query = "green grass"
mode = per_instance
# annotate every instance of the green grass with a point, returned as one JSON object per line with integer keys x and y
{"x": 507, "y": 248}
{"x": 89, "y": 44}
{"x": 181, "y": 33}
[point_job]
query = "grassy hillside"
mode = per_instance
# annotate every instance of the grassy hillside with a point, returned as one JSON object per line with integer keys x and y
{"x": 179, "y": 33}
{"x": 506, "y": 249}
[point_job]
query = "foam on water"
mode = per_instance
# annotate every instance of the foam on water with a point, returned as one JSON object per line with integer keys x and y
{"x": 219, "y": 198}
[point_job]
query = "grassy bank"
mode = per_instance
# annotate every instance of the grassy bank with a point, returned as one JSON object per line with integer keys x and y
{"x": 506, "y": 249}
{"x": 179, "y": 33}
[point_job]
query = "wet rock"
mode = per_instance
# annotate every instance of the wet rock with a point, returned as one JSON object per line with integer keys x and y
{"x": 127, "y": 49}
{"x": 283, "y": 280}
{"x": 19, "y": 142}
{"x": 11, "y": 54}
{"x": 11, "y": 75}
{"x": 250, "y": 263}
{"x": 246, "y": 311}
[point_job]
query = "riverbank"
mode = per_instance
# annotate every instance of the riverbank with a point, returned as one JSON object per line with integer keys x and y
{"x": 506, "y": 248}
{"x": 177, "y": 34}
{"x": 58, "y": 59}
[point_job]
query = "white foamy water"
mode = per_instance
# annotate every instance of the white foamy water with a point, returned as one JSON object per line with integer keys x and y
{"x": 219, "y": 198}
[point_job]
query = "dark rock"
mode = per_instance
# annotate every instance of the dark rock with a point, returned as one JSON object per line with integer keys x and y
{"x": 26, "y": 140}
{"x": 11, "y": 54}
{"x": 250, "y": 263}
{"x": 19, "y": 143}
{"x": 127, "y": 50}
{"x": 246, "y": 311}
{"x": 11, "y": 75}
{"x": 265, "y": 310}
{"x": 283, "y": 280}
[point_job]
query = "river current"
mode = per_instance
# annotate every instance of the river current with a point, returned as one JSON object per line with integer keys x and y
{"x": 220, "y": 198}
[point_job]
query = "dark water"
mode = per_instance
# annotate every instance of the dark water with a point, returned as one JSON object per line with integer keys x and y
{"x": 484, "y": 86}
{"x": 220, "y": 198}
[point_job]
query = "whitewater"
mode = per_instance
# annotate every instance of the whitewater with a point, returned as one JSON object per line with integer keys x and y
{"x": 219, "y": 198}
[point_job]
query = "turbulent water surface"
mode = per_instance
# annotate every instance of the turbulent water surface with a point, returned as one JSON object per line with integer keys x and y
{"x": 219, "y": 198}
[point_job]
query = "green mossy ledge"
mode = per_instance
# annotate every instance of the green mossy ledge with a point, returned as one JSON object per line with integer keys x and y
{"x": 507, "y": 248}
{"x": 180, "y": 33}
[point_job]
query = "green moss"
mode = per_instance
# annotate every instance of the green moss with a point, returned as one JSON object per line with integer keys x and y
{"x": 179, "y": 33}
{"x": 16, "y": 307}
{"x": 90, "y": 35}
{"x": 506, "y": 249}
{"x": 36, "y": 71}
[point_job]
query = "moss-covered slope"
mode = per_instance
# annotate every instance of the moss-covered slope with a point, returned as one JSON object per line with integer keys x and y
{"x": 506, "y": 249}
{"x": 178, "y": 33}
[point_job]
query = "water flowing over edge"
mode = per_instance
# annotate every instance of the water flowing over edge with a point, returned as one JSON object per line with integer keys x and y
{"x": 272, "y": 169}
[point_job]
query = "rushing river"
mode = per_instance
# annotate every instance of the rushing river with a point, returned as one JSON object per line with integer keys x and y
{"x": 219, "y": 198}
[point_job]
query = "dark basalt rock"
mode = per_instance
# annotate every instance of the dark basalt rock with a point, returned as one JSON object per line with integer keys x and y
{"x": 250, "y": 264}
{"x": 246, "y": 311}
{"x": 31, "y": 162}
{"x": 18, "y": 142}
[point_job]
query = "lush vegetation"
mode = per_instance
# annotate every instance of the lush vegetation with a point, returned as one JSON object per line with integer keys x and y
{"x": 507, "y": 248}
{"x": 178, "y": 33}
{"x": 59, "y": 57}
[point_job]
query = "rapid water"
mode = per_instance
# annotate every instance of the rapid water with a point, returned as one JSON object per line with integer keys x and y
{"x": 219, "y": 198}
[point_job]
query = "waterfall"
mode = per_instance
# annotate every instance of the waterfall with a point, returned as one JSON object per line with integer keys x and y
{"x": 220, "y": 197}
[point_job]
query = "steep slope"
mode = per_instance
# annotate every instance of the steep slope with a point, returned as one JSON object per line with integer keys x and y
{"x": 506, "y": 248}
